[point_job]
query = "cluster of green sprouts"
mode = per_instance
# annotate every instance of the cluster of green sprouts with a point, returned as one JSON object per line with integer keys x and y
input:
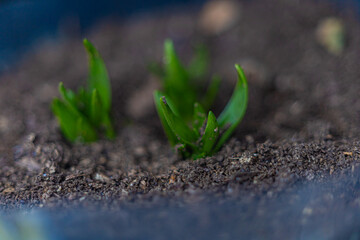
{"x": 85, "y": 114}
{"x": 186, "y": 85}
{"x": 182, "y": 109}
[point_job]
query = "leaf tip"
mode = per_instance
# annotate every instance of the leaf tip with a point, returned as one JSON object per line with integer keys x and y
{"x": 89, "y": 47}
{"x": 239, "y": 69}
{"x": 168, "y": 44}
{"x": 241, "y": 74}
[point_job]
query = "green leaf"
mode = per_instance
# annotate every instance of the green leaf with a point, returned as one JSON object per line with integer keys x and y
{"x": 177, "y": 125}
{"x": 70, "y": 100}
{"x": 83, "y": 101}
{"x": 198, "y": 65}
{"x": 199, "y": 117}
{"x": 211, "y": 134}
{"x": 176, "y": 75}
{"x": 211, "y": 92}
{"x": 235, "y": 109}
{"x": 97, "y": 111}
{"x": 68, "y": 95}
{"x": 176, "y": 106}
{"x": 176, "y": 80}
{"x": 176, "y": 83}
{"x": 169, "y": 133}
{"x": 82, "y": 115}
{"x": 99, "y": 117}
{"x": 66, "y": 118}
{"x": 69, "y": 121}
{"x": 98, "y": 76}
{"x": 109, "y": 129}
{"x": 84, "y": 131}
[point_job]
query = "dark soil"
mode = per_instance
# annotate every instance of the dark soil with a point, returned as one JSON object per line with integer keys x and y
{"x": 302, "y": 123}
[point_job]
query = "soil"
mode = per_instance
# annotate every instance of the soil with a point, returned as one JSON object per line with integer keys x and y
{"x": 301, "y": 127}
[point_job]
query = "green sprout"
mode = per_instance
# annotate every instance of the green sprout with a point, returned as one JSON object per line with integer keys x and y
{"x": 184, "y": 118}
{"x": 184, "y": 85}
{"x": 83, "y": 115}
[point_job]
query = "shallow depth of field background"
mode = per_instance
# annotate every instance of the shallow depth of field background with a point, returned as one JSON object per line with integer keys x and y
{"x": 23, "y": 23}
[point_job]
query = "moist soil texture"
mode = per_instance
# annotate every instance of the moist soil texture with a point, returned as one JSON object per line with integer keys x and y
{"x": 301, "y": 127}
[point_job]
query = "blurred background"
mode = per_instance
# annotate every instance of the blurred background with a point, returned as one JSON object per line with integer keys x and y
{"x": 24, "y": 22}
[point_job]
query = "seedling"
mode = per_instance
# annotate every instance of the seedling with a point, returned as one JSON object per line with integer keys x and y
{"x": 206, "y": 135}
{"x": 184, "y": 85}
{"x": 83, "y": 115}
